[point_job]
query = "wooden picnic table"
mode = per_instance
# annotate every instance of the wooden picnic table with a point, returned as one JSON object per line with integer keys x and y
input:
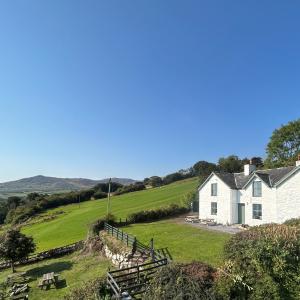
{"x": 48, "y": 279}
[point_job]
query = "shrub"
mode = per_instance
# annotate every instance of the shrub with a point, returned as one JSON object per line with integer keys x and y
{"x": 91, "y": 290}
{"x": 97, "y": 226}
{"x": 263, "y": 260}
{"x": 157, "y": 214}
{"x": 138, "y": 186}
{"x": 293, "y": 222}
{"x": 179, "y": 282}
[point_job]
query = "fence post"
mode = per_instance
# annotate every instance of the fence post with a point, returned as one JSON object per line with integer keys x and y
{"x": 152, "y": 249}
{"x": 127, "y": 239}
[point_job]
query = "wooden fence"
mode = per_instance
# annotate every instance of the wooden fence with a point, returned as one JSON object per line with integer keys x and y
{"x": 134, "y": 280}
{"x": 56, "y": 252}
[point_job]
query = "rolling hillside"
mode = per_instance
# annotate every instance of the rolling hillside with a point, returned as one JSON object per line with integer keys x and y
{"x": 70, "y": 223}
{"x": 48, "y": 184}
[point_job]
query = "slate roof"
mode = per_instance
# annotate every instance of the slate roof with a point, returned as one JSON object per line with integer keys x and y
{"x": 270, "y": 177}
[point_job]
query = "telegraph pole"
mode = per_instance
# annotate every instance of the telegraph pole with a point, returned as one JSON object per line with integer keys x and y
{"x": 108, "y": 197}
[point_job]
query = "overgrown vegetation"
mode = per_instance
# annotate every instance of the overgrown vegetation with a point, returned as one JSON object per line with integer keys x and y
{"x": 262, "y": 263}
{"x": 184, "y": 282}
{"x": 171, "y": 210}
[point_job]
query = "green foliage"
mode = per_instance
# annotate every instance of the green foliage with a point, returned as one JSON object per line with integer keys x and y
{"x": 284, "y": 145}
{"x": 293, "y": 222}
{"x": 92, "y": 290}
{"x": 173, "y": 177}
{"x": 232, "y": 164}
{"x": 182, "y": 282}
{"x": 154, "y": 181}
{"x": 15, "y": 246}
{"x": 157, "y": 214}
{"x": 263, "y": 260}
{"x": 98, "y": 225}
{"x": 137, "y": 186}
{"x": 203, "y": 169}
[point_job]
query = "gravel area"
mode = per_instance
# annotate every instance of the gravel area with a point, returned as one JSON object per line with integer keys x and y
{"x": 221, "y": 228}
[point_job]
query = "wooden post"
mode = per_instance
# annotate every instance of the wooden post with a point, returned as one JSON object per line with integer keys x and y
{"x": 127, "y": 239}
{"x": 152, "y": 249}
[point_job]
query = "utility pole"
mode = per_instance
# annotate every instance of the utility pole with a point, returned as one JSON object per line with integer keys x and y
{"x": 108, "y": 197}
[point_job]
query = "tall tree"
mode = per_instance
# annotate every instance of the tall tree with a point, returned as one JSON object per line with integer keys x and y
{"x": 232, "y": 164}
{"x": 15, "y": 246}
{"x": 284, "y": 145}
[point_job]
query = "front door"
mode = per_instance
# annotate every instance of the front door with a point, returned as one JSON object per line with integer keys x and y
{"x": 241, "y": 213}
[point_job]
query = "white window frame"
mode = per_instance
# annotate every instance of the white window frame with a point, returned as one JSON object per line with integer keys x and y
{"x": 255, "y": 190}
{"x": 214, "y": 211}
{"x": 214, "y": 191}
{"x": 257, "y": 213}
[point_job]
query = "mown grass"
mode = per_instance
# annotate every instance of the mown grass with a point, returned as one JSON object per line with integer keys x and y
{"x": 72, "y": 225}
{"x": 185, "y": 243}
{"x": 74, "y": 270}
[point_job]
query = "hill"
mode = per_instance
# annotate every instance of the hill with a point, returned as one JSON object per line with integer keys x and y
{"x": 68, "y": 224}
{"x": 48, "y": 184}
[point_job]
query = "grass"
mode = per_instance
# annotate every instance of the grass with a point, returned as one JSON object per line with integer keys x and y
{"x": 72, "y": 225}
{"x": 185, "y": 243}
{"x": 74, "y": 270}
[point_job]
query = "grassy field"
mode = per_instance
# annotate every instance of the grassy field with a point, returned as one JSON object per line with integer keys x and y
{"x": 70, "y": 223}
{"x": 185, "y": 243}
{"x": 74, "y": 270}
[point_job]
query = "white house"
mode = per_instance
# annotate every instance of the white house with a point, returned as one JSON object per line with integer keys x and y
{"x": 252, "y": 197}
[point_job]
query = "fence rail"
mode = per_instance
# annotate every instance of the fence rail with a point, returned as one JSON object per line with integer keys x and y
{"x": 44, "y": 255}
{"x": 134, "y": 280}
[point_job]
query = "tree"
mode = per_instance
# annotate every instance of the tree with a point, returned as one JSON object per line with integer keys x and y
{"x": 203, "y": 169}
{"x": 232, "y": 164}
{"x": 15, "y": 246}
{"x": 284, "y": 145}
{"x": 155, "y": 181}
{"x": 13, "y": 202}
{"x": 257, "y": 161}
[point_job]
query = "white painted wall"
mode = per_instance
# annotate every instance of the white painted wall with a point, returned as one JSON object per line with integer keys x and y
{"x": 278, "y": 204}
{"x": 288, "y": 198}
{"x": 267, "y": 200}
{"x": 223, "y": 199}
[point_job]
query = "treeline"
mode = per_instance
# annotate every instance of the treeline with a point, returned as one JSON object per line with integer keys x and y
{"x": 202, "y": 169}
{"x": 17, "y": 210}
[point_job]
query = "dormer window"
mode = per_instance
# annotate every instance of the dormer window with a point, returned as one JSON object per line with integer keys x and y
{"x": 214, "y": 189}
{"x": 256, "y": 189}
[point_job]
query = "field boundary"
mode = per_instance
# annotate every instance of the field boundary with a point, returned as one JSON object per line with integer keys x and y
{"x": 51, "y": 253}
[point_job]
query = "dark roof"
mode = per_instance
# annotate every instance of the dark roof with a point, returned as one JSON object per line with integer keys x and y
{"x": 270, "y": 177}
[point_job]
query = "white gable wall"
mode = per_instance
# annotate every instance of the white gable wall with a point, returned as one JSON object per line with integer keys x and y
{"x": 288, "y": 198}
{"x": 267, "y": 200}
{"x": 223, "y": 199}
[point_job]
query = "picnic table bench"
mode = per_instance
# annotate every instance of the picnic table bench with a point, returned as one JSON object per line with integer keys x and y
{"x": 48, "y": 279}
{"x": 192, "y": 219}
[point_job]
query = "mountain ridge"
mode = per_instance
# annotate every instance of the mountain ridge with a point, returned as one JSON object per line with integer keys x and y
{"x": 41, "y": 183}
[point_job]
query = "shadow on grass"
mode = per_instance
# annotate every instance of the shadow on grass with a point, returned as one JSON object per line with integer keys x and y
{"x": 56, "y": 267}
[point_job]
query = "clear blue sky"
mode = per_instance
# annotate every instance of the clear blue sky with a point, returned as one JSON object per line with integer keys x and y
{"x": 139, "y": 88}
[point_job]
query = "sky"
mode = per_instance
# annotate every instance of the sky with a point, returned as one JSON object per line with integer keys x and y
{"x": 134, "y": 88}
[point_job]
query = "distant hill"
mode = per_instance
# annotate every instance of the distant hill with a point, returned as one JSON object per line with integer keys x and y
{"x": 47, "y": 184}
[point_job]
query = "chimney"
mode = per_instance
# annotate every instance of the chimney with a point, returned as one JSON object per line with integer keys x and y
{"x": 298, "y": 161}
{"x": 249, "y": 168}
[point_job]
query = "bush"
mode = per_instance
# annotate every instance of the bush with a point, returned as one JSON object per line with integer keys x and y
{"x": 293, "y": 222}
{"x": 157, "y": 214}
{"x": 263, "y": 260}
{"x": 97, "y": 226}
{"x": 91, "y": 290}
{"x": 176, "y": 281}
{"x": 138, "y": 186}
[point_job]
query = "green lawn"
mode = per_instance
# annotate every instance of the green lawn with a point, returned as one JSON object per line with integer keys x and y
{"x": 72, "y": 224}
{"x": 74, "y": 269}
{"x": 185, "y": 243}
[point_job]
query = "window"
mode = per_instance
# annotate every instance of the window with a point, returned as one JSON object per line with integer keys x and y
{"x": 214, "y": 189}
{"x": 257, "y": 212}
{"x": 214, "y": 208}
{"x": 256, "y": 191}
